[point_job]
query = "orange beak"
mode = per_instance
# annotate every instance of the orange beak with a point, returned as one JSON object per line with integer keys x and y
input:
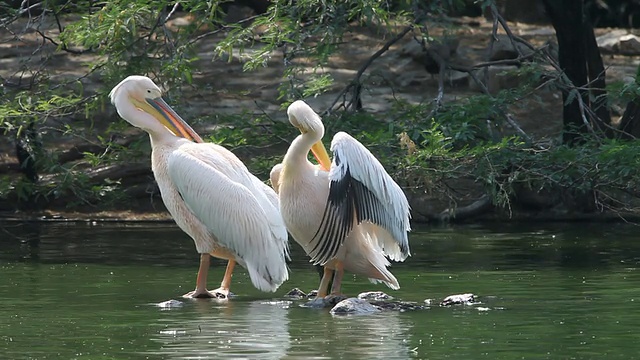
{"x": 320, "y": 153}
{"x": 173, "y": 121}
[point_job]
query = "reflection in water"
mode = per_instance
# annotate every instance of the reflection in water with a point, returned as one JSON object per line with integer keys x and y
{"x": 27, "y": 235}
{"x": 261, "y": 330}
{"x": 380, "y": 336}
{"x": 254, "y": 330}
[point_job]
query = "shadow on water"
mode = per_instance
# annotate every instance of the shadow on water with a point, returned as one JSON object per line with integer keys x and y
{"x": 106, "y": 243}
{"x": 546, "y": 291}
{"x": 474, "y": 247}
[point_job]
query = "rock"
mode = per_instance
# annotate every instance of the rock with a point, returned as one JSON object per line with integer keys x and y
{"x": 327, "y": 301}
{"x": 398, "y": 305}
{"x": 374, "y": 295}
{"x": 295, "y": 293}
{"x": 445, "y": 49}
{"x": 312, "y": 294}
{"x": 429, "y": 302}
{"x": 619, "y": 42}
{"x": 457, "y": 78}
{"x": 537, "y": 31}
{"x": 412, "y": 49}
{"x": 499, "y": 77}
{"x": 411, "y": 78}
{"x": 503, "y": 49}
{"x": 317, "y": 303}
{"x": 354, "y": 306}
{"x": 170, "y": 304}
{"x": 460, "y": 299}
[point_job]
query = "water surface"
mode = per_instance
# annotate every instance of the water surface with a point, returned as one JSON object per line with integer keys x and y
{"x": 88, "y": 291}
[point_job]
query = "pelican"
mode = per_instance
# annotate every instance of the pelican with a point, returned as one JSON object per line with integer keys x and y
{"x": 348, "y": 214}
{"x": 228, "y": 212}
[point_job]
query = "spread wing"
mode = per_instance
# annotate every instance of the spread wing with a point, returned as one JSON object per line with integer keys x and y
{"x": 361, "y": 191}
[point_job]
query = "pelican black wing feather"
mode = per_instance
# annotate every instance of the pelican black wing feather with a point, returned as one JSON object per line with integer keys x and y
{"x": 360, "y": 190}
{"x": 369, "y": 208}
{"x": 337, "y": 220}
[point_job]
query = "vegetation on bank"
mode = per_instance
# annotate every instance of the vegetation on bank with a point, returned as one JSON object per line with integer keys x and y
{"x": 428, "y": 147}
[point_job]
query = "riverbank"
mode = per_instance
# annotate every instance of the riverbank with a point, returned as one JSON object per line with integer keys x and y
{"x": 224, "y": 89}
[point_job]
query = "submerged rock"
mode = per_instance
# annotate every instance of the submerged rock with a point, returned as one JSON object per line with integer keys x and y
{"x": 375, "y": 301}
{"x": 460, "y": 299}
{"x": 398, "y": 305}
{"x": 326, "y": 302}
{"x": 429, "y": 302}
{"x": 374, "y": 296}
{"x": 354, "y": 306}
{"x": 170, "y": 304}
{"x": 295, "y": 293}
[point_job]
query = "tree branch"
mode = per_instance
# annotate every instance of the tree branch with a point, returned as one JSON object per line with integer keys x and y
{"x": 356, "y": 80}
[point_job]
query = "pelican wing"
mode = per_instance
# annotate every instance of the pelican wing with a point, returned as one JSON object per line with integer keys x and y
{"x": 361, "y": 191}
{"x": 222, "y": 195}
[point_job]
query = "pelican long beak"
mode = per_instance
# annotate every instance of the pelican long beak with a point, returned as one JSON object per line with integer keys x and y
{"x": 172, "y": 121}
{"x": 321, "y": 155}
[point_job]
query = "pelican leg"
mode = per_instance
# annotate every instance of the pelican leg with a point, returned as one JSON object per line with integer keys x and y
{"x": 337, "y": 279}
{"x": 201, "y": 280}
{"x": 223, "y": 291}
{"x": 324, "y": 283}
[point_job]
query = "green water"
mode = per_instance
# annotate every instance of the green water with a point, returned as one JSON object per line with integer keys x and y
{"x": 550, "y": 291}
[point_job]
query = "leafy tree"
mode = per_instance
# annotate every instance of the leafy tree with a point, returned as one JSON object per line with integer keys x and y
{"x": 469, "y": 153}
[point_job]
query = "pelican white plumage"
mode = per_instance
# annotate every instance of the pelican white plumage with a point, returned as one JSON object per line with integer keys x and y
{"x": 348, "y": 214}
{"x": 211, "y": 195}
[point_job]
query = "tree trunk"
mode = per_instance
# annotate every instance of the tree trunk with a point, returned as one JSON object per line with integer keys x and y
{"x": 581, "y": 62}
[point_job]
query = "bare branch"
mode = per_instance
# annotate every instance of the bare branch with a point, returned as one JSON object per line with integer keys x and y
{"x": 501, "y": 20}
{"x": 363, "y": 68}
{"x": 5, "y": 22}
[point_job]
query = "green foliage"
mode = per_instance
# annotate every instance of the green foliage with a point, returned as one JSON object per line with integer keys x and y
{"x": 308, "y": 34}
{"x": 132, "y": 39}
{"x": 425, "y": 146}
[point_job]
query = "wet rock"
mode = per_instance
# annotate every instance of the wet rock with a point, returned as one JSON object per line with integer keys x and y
{"x": 170, "y": 304}
{"x": 619, "y": 42}
{"x": 460, "y": 299}
{"x": 374, "y": 296}
{"x": 354, "y": 306}
{"x": 429, "y": 302}
{"x": 312, "y": 294}
{"x": 295, "y": 293}
{"x": 316, "y": 303}
{"x": 398, "y": 305}
{"x": 326, "y": 302}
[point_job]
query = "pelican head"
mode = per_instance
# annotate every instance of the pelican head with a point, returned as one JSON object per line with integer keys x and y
{"x": 139, "y": 101}
{"x": 303, "y": 118}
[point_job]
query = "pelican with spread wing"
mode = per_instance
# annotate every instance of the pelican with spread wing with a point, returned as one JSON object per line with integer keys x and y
{"x": 228, "y": 212}
{"x": 348, "y": 214}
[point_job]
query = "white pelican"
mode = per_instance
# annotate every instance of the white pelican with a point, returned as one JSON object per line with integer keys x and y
{"x": 348, "y": 214}
{"x": 211, "y": 195}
